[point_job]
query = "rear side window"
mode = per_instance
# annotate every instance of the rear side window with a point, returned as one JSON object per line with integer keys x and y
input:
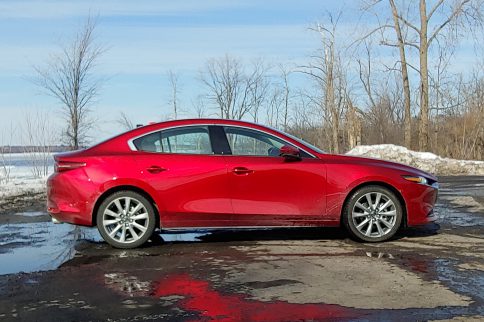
{"x": 149, "y": 143}
{"x": 183, "y": 140}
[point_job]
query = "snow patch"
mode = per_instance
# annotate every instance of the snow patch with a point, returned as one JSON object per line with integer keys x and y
{"x": 18, "y": 187}
{"x": 425, "y": 161}
{"x": 17, "y": 176}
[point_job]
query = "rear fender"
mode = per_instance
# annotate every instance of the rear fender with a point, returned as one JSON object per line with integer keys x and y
{"x": 139, "y": 184}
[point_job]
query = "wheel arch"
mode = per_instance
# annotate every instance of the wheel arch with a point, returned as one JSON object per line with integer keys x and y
{"x": 115, "y": 189}
{"x": 397, "y": 193}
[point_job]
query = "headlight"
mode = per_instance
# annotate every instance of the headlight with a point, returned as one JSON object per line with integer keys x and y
{"x": 416, "y": 179}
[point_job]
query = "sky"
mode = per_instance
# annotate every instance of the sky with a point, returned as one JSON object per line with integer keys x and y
{"x": 144, "y": 40}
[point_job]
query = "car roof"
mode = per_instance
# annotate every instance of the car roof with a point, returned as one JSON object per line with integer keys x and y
{"x": 119, "y": 142}
{"x": 199, "y": 121}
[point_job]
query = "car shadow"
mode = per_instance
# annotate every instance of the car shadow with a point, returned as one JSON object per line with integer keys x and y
{"x": 419, "y": 231}
{"x": 274, "y": 234}
{"x": 232, "y": 235}
{"x": 278, "y": 234}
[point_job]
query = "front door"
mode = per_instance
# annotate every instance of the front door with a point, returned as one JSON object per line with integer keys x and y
{"x": 267, "y": 190}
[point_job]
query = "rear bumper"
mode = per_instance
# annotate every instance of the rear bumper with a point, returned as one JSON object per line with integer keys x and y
{"x": 69, "y": 198}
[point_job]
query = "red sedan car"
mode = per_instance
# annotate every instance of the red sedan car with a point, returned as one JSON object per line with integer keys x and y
{"x": 208, "y": 173}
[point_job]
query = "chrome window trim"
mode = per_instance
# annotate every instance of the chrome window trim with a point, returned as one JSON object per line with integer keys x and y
{"x": 133, "y": 147}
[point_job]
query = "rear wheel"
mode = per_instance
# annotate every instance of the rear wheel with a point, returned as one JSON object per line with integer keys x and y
{"x": 372, "y": 214}
{"x": 126, "y": 219}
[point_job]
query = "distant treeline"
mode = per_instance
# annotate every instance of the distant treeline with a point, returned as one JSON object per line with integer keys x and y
{"x": 32, "y": 149}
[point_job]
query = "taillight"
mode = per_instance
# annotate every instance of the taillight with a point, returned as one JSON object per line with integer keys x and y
{"x": 61, "y": 166}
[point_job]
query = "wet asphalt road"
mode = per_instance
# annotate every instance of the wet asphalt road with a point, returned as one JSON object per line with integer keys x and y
{"x": 428, "y": 273}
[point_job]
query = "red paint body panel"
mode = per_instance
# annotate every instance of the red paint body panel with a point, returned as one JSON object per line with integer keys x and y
{"x": 192, "y": 191}
{"x": 204, "y": 191}
{"x": 277, "y": 192}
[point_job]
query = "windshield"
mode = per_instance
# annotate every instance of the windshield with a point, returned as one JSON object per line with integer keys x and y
{"x": 295, "y": 138}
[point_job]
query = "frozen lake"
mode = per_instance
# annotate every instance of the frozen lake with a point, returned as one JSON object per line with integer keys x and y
{"x": 23, "y": 159}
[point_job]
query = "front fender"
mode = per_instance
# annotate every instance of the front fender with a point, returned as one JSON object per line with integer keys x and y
{"x": 341, "y": 184}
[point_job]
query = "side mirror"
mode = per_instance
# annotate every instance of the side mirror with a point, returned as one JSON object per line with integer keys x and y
{"x": 290, "y": 153}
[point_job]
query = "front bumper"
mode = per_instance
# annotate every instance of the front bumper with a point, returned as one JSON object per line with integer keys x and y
{"x": 420, "y": 201}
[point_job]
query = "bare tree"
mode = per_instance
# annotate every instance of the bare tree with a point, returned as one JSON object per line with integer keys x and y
{"x": 286, "y": 93}
{"x": 223, "y": 78}
{"x": 306, "y": 123}
{"x": 353, "y": 119}
{"x": 125, "y": 122}
{"x": 279, "y": 99}
{"x": 462, "y": 120}
{"x": 234, "y": 91}
{"x": 173, "y": 79}
{"x": 39, "y": 136}
{"x": 256, "y": 88}
{"x": 199, "y": 107}
{"x": 68, "y": 77}
{"x": 383, "y": 113}
{"x": 404, "y": 73}
{"x": 274, "y": 106}
{"x": 443, "y": 18}
{"x": 5, "y": 153}
{"x": 328, "y": 72}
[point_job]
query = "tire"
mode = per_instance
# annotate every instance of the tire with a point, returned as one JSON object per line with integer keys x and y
{"x": 126, "y": 229}
{"x": 376, "y": 207}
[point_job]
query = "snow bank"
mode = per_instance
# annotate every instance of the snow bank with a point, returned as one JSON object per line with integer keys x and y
{"x": 19, "y": 187}
{"x": 423, "y": 160}
{"x": 20, "y": 180}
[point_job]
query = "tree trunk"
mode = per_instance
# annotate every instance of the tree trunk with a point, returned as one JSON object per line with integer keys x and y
{"x": 354, "y": 127}
{"x": 286, "y": 101}
{"x": 335, "y": 132}
{"x": 406, "y": 84}
{"x": 424, "y": 80}
{"x": 330, "y": 98}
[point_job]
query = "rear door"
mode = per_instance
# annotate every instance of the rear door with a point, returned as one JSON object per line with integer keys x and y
{"x": 190, "y": 180}
{"x": 267, "y": 190}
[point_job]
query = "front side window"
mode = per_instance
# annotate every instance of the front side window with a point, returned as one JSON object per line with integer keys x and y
{"x": 249, "y": 142}
{"x": 183, "y": 140}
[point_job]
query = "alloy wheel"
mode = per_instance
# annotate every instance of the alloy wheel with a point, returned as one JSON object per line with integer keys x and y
{"x": 374, "y": 214}
{"x": 125, "y": 220}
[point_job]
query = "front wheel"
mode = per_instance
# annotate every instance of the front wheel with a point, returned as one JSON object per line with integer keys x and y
{"x": 126, "y": 219}
{"x": 372, "y": 214}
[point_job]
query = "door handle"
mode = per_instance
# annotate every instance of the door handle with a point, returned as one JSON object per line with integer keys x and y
{"x": 242, "y": 171}
{"x": 155, "y": 169}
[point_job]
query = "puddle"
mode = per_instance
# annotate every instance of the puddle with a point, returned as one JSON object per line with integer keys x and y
{"x": 192, "y": 236}
{"x": 447, "y": 214}
{"x": 460, "y": 202}
{"x": 31, "y": 214}
{"x": 40, "y": 246}
{"x": 465, "y": 281}
{"x": 198, "y": 295}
